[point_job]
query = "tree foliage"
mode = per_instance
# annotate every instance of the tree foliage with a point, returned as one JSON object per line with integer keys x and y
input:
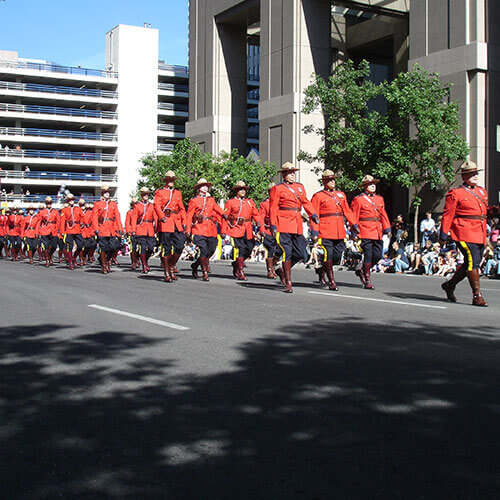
{"x": 414, "y": 143}
{"x": 190, "y": 163}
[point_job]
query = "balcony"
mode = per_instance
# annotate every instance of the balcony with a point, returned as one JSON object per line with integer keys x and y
{"x": 38, "y": 178}
{"x": 30, "y": 134}
{"x": 165, "y": 147}
{"x": 54, "y": 110}
{"x": 178, "y": 70}
{"x": 55, "y": 68}
{"x": 171, "y": 131}
{"x": 173, "y": 88}
{"x": 46, "y": 90}
{"x": 43, "y": 157}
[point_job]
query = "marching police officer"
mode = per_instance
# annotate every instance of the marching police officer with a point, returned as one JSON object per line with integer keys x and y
{"x": 203, "y": 216}
{"x": 143, "y": 228}
{"x": 48, "y": 226}
{"x": 4, "y": 225}
{"x": 464, "y": 220}
{"x": 107, "y": 225}
{"x": 287, "y": 200}
{"x": 371, "y": 218}
{"x": 28, "y": 232}
{"x": 268, "y": 239}
{"x": 171, "y": 216}
{"x": 134, "y": 264}
{"x": 238, "y": 214}
{"x": 331, "y": 206}
{"x": 70, "y": 227}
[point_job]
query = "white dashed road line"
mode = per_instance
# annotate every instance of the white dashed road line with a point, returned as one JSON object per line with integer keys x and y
{"x": 139, "y": 317}
{"x": 412, "y": 304}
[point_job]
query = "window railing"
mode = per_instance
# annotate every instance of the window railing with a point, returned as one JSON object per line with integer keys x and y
{"x": 53, "y": 89}
{"x": 171, "y": 67}
{"x": 164, "y": 147}
{"x": 61, "y": 134}
{"x": 57, "y": 155}
{"x": 173, "y": 86}
{"x": 167, "y": 127}
{"x": 172, "y": 106}
{"x": 52, "y": 110}
{"x": 55, "y": 68}
{"x": 55, "y": 176}
{"x": 253, "y": 113}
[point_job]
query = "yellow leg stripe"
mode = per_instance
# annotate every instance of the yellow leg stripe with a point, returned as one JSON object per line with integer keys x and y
{"x": 235, "y": 250}
{"x": 219, "y": 246}
{"x": 283, "y": 258}
{"x": 469, "y": 255}
{"x": 320, "y": 243}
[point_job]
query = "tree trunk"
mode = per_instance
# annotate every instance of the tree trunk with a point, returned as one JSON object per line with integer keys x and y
{"x": 415, "y": 225}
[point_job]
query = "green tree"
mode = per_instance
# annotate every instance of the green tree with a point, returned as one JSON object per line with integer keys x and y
{"x": 414, "y": 144}
{"x": 190, "y": 163}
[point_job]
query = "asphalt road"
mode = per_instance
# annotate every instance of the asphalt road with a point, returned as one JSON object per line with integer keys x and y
{"x": 122, "y": 386}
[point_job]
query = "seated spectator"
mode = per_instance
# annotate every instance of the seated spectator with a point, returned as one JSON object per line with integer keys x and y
{"x": 446, "y": 263}
{"x": 429, "y": 259}
{"x": 492, "y": 261}
{"x": 399, "y": 260}
{"x": 189, "y": 252}
{"x": 316, "y": 257}
{"x": 398, "y": 229}
{"x": 227, "y": 249}
{"x": 384, "y": 264}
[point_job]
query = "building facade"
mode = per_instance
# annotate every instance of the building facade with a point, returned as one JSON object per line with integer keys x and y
{"x": 77, "y": 128}
{"x": 456, "y": 38}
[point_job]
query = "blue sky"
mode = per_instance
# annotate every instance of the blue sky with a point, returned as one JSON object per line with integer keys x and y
{"x": 71, "y": 32}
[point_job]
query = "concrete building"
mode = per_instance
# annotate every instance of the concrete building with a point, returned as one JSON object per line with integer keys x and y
{"x": 86, "y": 127}
{"x": 456, "y": 38}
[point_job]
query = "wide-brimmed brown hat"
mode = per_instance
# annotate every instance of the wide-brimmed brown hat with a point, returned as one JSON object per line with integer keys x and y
{"x": 288, "y": 167}
{"x": 81, "y": 201}
{"x": 70, "y": 196}
{"x": 328, "y": 175}
{"x": 169, "y": 174}
{"x": 30, "y": 207}
{"x": 469, "y": 167}
{"x": 369, "y": 179}
{"x": 48, "y": 199}
{"x": 240, "y": 185}
{"x": 134, "y": 200}
{"x": 105, "y": 187}
{"x": 144, "y": 190}
{"x": 202, "y": 182}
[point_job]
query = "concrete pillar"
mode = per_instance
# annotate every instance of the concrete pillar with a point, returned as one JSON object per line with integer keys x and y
{"x": 217, "y": 82}
{"x": 133, "y": 52}
{"x": 295, "y": 44}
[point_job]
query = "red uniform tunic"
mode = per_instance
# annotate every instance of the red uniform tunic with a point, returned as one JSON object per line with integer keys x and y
{"x": 370, "y": 216}
{"x": 15, "y": 222}
{"x": 464, "y": 214}
{"x": 286, "y": 203}
{"x": 48, "y": 222}
{"x": 331, "y": 207}
{"x": 106, "y": 218}
{"x": 202, "y": 216}
{"x": 4, "y": 225}
{"x": 128, "y": 221}
{"x": 143, "y": 219}
{"x": 87, "y": 230}
{"x": 29, "y": 226}
{"x": 71, "y": 220}
{"x": 265, "y": 217}
{"x": 170, "y": 210}
{"x": 239, "y": 213}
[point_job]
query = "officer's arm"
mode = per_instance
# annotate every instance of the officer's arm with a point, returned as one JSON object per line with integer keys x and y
{"x": 158, "y": 208}
{"x": 133, "y": 221}
{"x": 189, "y": 217}
{"x": 450, "y": 207}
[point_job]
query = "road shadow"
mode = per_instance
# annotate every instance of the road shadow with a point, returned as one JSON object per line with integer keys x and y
{"x": 333, "y": 408}
{"x": 418, "y": 296}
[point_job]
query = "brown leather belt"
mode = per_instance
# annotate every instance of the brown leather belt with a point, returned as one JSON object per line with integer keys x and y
{"x": 291, "y": 209}
{"x": 109, "y": 219}
{"x": 146, "y": 222}
{"x": 167, "y": 211}
{"x": 336, "y": 214}
{"x": 372, "y": 219}
{"x": 31, "y": 229}
{"x": 471, "y": 217}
